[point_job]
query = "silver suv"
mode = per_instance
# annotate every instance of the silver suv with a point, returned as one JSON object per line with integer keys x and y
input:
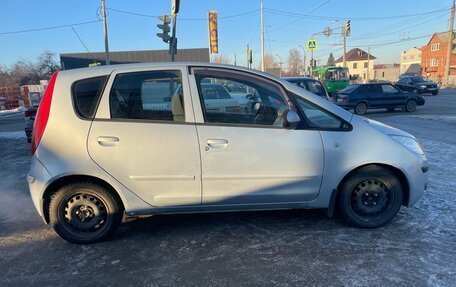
{"x": 153, "y": 138}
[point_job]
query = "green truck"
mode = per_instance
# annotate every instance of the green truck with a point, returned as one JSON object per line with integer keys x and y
{"x": 334, "y": 78}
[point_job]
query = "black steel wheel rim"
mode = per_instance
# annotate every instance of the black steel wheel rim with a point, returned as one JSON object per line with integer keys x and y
{"x": 410, "y": 105}
{"x": 371, "y": 199}
{"x": 84, "y": 214}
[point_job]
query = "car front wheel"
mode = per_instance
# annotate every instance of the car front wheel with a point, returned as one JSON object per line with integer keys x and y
{"x": 370, "y": 198}
{"x": 84, "y": 213}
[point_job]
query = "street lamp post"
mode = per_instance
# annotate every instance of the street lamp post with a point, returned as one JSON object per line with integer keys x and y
{"x": 304, "y": 58}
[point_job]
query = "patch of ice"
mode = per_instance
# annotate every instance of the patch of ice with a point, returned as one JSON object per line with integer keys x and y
{"x": 12, "y": 135}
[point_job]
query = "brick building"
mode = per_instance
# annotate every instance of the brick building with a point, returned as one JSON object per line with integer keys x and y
{"x": 434, "y": 56}
{"x": 10, "y": 97}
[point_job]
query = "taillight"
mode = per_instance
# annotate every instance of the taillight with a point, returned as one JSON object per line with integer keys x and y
{"x": 346, "y": 100}
{"x": 42, "y": 115}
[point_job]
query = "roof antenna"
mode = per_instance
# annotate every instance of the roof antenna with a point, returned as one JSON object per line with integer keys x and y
{"x": 82, "y": 42}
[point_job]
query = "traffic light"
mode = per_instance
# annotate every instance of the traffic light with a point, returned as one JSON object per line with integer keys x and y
{"x": 347, "y": 28}
{"x": 165, "y": 28}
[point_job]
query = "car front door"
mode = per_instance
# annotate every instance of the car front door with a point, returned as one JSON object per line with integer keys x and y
{"x": 144, "y": 136}
{"x": 375, "y": 94}
{"x": 393, "y": 97}
{"x": 247, "y": 156}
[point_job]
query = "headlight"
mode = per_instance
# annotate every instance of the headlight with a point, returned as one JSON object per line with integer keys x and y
{"x": 410, "y": 143}
{"x": 423, "y": 87}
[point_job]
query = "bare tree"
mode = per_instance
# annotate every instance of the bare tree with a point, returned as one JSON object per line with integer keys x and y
{"x": 295, "y": 62}
{"x": 269, "y": 62}
{"x": 24, "y": 72}
{"x": 220, "y": 58}
{"x": 47, "y": 64}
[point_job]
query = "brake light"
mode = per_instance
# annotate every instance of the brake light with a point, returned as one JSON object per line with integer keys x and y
{"x": 346, "y": 100}
{"x": 42, "y": 115}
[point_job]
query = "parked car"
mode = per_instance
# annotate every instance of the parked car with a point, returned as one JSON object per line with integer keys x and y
{"x": 418, "y": 85}
{"x": 361, "y": 97}
{"x": 29, "y": 116}
{"x": 292, "y": 150}
{"x": 312, "y": 85}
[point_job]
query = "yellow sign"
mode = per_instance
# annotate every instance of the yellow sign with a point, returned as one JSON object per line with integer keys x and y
{"x": 312, "y": 44}
{"x": 213, "y": 32}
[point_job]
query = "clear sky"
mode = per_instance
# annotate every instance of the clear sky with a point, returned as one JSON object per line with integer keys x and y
{"x": 289, "y": 23}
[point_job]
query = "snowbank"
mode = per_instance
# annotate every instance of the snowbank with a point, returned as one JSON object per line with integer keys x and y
{"x": 12, "y": 135}
{"x": 13, "y": 111}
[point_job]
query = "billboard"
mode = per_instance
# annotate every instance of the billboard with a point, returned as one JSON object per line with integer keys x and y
{"x": 213, "y": 32}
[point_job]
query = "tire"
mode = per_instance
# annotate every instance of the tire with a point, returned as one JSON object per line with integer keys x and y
{"x": 410, "y": 106}
{"x": 84, "y": 213}
{"x": 391, "y": 109}
{"x": 360, "y": 108}
{"x": 370, "y": 198}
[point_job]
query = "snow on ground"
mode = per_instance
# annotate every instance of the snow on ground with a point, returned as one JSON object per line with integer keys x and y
{"x": 13, "y": 111}
{"x": 279, "y": 248}
{"x": 442, "y": 118}
{"x": 12, "y": 135}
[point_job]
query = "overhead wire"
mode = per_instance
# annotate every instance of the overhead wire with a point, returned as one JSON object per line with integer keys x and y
{"x": 48, "y": 28}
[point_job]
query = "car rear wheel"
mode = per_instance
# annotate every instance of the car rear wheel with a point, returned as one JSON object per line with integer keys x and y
{"x": 361, "y": 108}
{"x": 370, "y": 198}
{"x": 84, "y": 213}
{"x": 410, "y": 106}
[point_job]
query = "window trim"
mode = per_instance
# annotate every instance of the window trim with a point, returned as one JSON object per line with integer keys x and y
{"x": 181, "y": 77}
{"x": 306, "y": 121}
{"x": 225, "y": 72}
{"x": 75, "y": 109}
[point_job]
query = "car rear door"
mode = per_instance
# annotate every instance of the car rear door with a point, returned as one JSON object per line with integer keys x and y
{"x": 248, "y": 157}
{"x": 144, "y": 135}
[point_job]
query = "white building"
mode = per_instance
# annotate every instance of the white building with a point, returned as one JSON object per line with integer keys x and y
{"x": 409, "y": 57}
{"x": 360, "y": 64}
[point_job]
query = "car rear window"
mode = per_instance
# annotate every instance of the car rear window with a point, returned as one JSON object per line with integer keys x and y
{"x": 349, "y": 89}
{"x": 86, "y": 94}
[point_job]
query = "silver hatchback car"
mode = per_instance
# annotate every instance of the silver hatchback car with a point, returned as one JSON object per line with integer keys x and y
{"x": 149, "y": 139}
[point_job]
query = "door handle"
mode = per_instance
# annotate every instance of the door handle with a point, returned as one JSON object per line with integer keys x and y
{"x": 107, "y": 141}
{"x": 216, "y": 143}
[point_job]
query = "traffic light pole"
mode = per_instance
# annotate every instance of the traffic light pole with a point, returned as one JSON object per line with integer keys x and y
{"x": 173, "y": 41}
{"x": 344, "y": 33}
{"x": 105, "y": 30}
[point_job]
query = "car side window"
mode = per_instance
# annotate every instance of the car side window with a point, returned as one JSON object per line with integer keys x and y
{"x": 150, "y": 95}
{"x": 86, "y": 94}
{"x": 389, "y": 89}
{"x": 316, "y": 88}
{"x": 234, "y": 99}
{"x": 375, "y": 89}
{"x": 318, "y": 118}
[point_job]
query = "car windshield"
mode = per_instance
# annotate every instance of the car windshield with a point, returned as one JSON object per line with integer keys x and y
{"x": 349, "y": 89}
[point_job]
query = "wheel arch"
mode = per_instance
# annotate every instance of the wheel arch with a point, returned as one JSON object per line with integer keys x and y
{"x": 54, "y": 186}
{"x": 400, "y": 175}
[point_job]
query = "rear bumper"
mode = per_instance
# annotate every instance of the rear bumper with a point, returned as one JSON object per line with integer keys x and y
{"x": 37, "y": 179}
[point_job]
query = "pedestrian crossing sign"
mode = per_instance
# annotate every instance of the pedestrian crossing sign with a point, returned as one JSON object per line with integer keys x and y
{"x": 312, "y": 44}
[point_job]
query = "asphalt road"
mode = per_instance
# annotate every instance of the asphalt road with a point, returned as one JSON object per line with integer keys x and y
{"x": 273, "y": 248}
{"x": 11, "y": 123}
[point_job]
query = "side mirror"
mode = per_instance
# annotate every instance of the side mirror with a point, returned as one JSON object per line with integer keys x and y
{"x": 290, "y": 120}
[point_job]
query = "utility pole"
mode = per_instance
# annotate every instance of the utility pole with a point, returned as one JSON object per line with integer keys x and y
{"x": 368, "y": 58}
{"x": 280, "y": 63}
{"x": 105, "y": 29}
{"x": 262, "y": 37}
{"x": 173, "y": 41}
{"x": 450, "y": 46}
{"x": 247, "y": 62}
{"x": 235, "y": 60}
{"x": 344, "y": 33}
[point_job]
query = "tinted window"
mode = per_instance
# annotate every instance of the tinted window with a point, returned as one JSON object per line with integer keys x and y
{"x": 316, "y": 117}
{"x": 388, "y": 89}
{"x": 316, "y": 88}
{"x": 86, "y": 94}
{"x": 152, "y": 95}
{"x": 349, "y": 89}
{"x": 374, "y": 89}
{"x": 249, "y": 101}
{"x": 364, "y": 89}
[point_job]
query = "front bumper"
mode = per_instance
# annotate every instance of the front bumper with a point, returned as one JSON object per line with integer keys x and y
{"x": 417, "y": 174}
